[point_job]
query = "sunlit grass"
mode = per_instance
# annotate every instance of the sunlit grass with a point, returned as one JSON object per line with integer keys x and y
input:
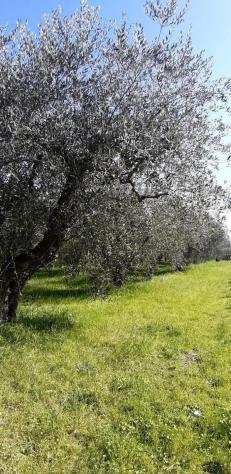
{"x": 136, "y": 382}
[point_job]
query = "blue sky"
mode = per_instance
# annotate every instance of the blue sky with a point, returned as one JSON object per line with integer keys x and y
{"x": 210, "y": 21}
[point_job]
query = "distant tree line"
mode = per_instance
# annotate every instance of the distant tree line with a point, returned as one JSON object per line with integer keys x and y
{"x": 118, "y": 238}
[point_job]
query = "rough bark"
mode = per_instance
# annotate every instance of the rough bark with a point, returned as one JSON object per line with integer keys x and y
{"x": 11, "y": 286}
{"x": 16, "y": 271}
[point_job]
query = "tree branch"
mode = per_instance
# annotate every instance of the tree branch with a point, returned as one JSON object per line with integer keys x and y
{"x": 143, "y": 197}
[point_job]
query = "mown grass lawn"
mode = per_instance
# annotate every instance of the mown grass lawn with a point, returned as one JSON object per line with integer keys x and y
{"x": 136, "y": 383}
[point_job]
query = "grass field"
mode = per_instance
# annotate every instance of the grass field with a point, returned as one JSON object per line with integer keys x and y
{"x": 136, "y": 383}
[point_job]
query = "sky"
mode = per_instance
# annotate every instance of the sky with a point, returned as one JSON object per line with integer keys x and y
{"x": 209, "y": 20}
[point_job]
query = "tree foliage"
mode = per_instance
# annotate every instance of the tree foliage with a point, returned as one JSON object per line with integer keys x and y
{"x": 121, "y": 238}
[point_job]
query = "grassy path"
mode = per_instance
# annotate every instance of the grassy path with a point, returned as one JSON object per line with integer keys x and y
{"x": 136, "y": 383}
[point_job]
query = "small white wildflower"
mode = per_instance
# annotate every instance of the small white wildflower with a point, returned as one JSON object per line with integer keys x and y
{"x": 195, "y": 412}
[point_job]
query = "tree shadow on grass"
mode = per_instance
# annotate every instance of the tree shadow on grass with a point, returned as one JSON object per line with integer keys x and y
{"x": 56, "y": 287}
{"x": 48, "y": 322}
{"x": 58, "y": 275}
{"x": 56, "y": 294}
{"x": 38, "y": 320}
{"x": 29, "y": 327}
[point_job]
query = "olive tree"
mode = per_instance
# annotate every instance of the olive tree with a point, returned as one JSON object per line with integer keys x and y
{"x": 184, "y": 234}
{"x": 116, "y": 237}
{"x": 111, "y": 239}
{"x": 82, "y": 97}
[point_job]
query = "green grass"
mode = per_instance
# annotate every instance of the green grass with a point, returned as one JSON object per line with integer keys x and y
{"x": 136, "y": 383}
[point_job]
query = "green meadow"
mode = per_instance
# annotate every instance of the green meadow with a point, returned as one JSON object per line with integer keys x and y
{"x": 137, "y": 382}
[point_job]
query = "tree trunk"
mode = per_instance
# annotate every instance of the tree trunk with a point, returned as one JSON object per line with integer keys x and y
{"x": 18, "y": 270}
{"x": 11, "y": 286}
{"x": 9, "y": 301}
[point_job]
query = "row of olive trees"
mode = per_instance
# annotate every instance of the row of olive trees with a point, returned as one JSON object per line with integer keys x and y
{"x": 121, "y": 238}
{"x": 84, "y": 100}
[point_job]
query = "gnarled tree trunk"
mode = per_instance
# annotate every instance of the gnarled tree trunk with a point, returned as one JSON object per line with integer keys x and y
{"x": 16, "y": 271}
{"x": 11, "y": 286}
